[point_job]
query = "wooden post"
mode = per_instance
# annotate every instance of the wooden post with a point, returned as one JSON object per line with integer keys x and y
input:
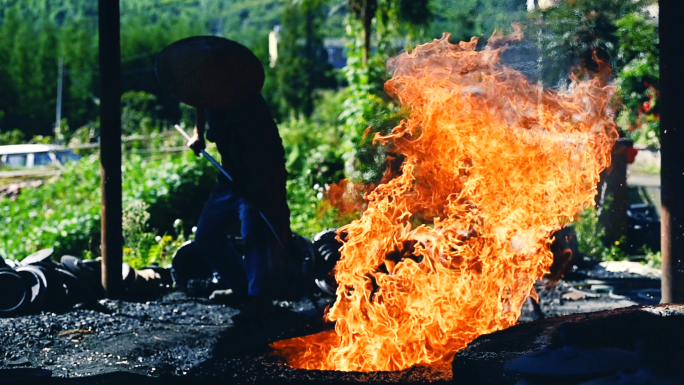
{"x": 110, "y": 145}
{"x": 672, "y": 150}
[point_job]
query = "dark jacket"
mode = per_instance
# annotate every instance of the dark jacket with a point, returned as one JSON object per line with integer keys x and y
{"x": 252, "y": 152}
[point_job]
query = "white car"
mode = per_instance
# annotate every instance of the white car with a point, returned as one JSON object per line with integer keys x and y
{"x": 35, "y": 155}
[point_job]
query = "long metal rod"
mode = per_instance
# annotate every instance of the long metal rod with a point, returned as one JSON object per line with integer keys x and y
{"x": 672, "y": 156}
{"x": 110, "y": 145}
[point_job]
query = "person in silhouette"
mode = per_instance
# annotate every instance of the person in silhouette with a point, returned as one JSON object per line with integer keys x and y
{"x": 223, "y": 80}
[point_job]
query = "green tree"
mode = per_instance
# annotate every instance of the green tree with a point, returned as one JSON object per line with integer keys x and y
{"x": 367, "y": 106}
{"x": 467, "y": 18}
{"x": 302, "y": 65}
{"x": 388, "y": 14}
{"x": 579, "y": 32}
{"x": 34, "y": 34}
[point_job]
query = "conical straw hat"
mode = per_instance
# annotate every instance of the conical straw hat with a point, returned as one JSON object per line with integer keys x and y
{"x": 210, "y": 72}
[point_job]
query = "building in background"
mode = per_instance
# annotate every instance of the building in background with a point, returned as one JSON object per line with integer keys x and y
{"x": 273, "y": 40}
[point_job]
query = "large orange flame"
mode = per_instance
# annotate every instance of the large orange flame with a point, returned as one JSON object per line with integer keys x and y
{"x": 450, "y": 249}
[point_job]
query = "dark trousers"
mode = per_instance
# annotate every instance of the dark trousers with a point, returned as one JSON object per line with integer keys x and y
{"x": 244, "y": 275}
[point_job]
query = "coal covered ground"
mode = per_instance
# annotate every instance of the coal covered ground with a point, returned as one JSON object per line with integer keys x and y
{"x": 182, "y": 340}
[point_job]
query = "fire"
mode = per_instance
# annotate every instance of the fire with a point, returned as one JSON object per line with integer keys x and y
{"x": 346, "y": 196}
{"x": 450, "y": 249}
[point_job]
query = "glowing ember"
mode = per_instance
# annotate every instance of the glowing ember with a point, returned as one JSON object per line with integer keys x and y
{"x": 450, "y": 249}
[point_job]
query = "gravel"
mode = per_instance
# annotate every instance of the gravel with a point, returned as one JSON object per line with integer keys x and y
{"x": 178, "y": 339}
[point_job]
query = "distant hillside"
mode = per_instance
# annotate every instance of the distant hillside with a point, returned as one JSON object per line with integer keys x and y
{"x": 34, "y": 34}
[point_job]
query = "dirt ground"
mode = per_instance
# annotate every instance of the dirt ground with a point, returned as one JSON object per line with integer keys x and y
{"x": 184, "y": 340}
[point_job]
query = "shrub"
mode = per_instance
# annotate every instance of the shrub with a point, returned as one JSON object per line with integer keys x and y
{"x": 653, "y": 259}
{"x": 11, "y": 137}
{"x": 65, "y": 213}
{"x": 639, "y": 79}
{"x": 313, "y": 160}
{"x": 589, "y": 238}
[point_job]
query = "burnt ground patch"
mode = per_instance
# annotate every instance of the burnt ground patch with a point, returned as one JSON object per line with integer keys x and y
{"x": 482, "y": 362}
{"x": 182, "y": 340}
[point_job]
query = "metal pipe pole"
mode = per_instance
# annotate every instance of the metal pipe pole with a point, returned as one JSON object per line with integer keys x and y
{"x": 671, "y": 142}
{"x": 58, "y": 112}
{"x": 110, "y": 145}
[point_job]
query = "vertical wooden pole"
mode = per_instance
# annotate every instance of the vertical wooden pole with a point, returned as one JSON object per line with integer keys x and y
{"x": 672, "y": 150}
{"x": 110, "y": 145}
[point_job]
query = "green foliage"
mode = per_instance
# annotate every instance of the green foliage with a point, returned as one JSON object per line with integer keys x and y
{"x": 136, "y": 238}
{"x": 312, "y": 151}
{"x": 589, "y": 238}
{"x": 309, "y": 214}
{"x": 314, "y": 160}
{"x": 144, "y": 247}
{"x": 35, "y": 34}
{"x": 302, "y": 65}
{"x": 579, "y": 32}
{"x": 637, "y": 37}
{"x": 653, "y": 259}
{"x": 65, "y": 214}
{"x": 366, "y": 103}
{"x": 638, "y": 80}
{"x": 468, "y": 18}
{"x": 175, "y": 187}
{"x": 11, "y": 137}
{"x": 31, "y": 41}
{"x": 138, "y": 112}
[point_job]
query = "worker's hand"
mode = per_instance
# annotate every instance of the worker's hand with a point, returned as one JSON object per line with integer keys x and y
{"x": 197, "y": 144}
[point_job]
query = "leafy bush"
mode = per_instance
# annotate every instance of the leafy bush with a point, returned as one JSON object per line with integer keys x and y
{"x": 312, "y": 150}
{"x": 142, "y": 247}
{"x": 175, "y": 187}
{"x": 11, "y": 137}
{"x": 313, "y": 159}
{"x": 138, "y": 111}
{"x": 309, "y": 213}
{"x": 590, "y": 235}
{"x": 639, "y": 79}
{"x": 65, "y": 214}
{"x": 653, "y": 259}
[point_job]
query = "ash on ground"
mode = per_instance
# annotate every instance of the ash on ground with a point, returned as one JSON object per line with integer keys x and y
{"x": 182, "y": 339}
{"x": 165, "y": 337}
